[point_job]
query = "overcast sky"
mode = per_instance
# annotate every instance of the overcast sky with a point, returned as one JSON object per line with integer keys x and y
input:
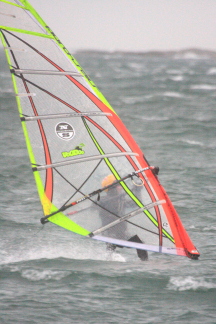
{"x": 134, "y": 25}
{"x": 131, "y": 25}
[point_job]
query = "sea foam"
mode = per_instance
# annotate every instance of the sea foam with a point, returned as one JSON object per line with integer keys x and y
{"x": 190, "y": 283}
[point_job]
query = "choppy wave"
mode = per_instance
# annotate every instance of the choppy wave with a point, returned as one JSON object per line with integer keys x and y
{"x": 191, "y": 142}
{"x": 210, "y": 228}
{"x": 206, "y": 87}
{"x": 177, "y": 78}
{"x": 187, "y": 54}
{"x": 36, "y": 275}
{"x": 35, "y": 247}
{"x": 190, "y": 283}
{"x": 173, "y": 94}
{"x": 211, "y": 71}
{"x": 6, "y": 93}
{"x": 132, "y": 100}
{"x": 192, "y": 55}
{"x": 154, "y": 118}
{"x": 173, "y": 97}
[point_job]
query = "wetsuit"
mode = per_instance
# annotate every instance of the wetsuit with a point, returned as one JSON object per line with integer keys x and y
{"x": 114, "y": 206}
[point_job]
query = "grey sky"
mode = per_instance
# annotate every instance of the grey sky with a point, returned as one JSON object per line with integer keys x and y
{"x": 131, "y": 25}
{"x": 134, "y": 25}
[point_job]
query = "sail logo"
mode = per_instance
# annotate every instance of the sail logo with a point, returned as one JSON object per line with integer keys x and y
{"x": 77, "y": 151}
{"x": 65, "y": 131}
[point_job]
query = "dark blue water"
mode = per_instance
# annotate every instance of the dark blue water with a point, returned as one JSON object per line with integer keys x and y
{"x": 49, "y": 275}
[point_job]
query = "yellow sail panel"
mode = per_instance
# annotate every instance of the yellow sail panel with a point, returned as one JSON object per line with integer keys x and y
{"x": 61, "y": 220}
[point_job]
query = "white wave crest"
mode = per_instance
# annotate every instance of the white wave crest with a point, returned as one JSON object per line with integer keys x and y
{"x": 36, "y": 275}
{"x": 189, "y": 283}
{"x": 132, "y": 100}
{"x": 173, "y": 94}
{"x": 173, "y": 71}
{"x": 154, "y": 118}
{"x": 191, "y": 142}
{"x": 207, "y": 87}
{"x": 210, "y": 228}
{"x": 191, "y": 55}
{"x": 211, "y": 71}
{"x": 177, "y": 78}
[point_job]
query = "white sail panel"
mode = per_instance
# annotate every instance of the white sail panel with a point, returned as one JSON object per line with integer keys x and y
{"x": 91, "y": 175}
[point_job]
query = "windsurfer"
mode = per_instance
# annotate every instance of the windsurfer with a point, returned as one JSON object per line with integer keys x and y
{"x": 114, "y": 203}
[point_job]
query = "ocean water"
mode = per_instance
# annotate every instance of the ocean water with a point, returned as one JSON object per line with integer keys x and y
{"x": 49, "y": 275}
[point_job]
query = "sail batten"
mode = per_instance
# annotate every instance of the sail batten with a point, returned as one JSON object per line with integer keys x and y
{"x": 68, "y": 115}
{"x": 43, "y": 72}
{"x": 87, "y": 159}
{"x": 77, "y": 144}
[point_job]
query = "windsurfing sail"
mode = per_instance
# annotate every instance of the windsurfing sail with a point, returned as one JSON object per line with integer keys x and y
{"x": 92, "y": 177}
